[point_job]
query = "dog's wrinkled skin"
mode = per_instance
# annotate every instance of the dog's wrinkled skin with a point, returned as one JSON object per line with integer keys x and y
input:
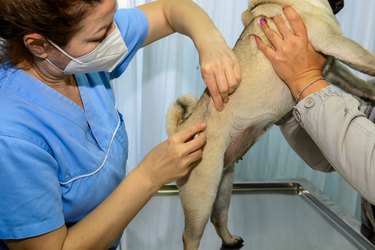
{"x": 261, "y": 100}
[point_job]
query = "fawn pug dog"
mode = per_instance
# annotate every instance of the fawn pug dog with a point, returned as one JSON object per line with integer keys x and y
{"x": 260, "y": 101}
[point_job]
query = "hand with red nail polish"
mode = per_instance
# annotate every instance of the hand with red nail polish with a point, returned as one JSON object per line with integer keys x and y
{"x": 262, "y": 21}
{"x": 292, "y": 56}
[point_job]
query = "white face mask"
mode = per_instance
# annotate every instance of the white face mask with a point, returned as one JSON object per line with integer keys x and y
{"x": 105, "y": 57}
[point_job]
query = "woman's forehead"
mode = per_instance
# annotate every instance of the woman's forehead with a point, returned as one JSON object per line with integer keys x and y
{"x": 99, "y": 18}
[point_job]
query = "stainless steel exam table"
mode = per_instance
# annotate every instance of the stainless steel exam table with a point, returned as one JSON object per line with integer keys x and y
{"x": 268, "y": 216}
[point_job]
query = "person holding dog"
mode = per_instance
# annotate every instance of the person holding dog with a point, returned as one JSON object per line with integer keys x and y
{"x": 330, "y": 130}
{"x": 62, "y": 141}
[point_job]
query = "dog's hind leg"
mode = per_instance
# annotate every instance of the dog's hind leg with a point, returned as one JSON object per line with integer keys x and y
{"x": 219, "y": 215}
{"x": 198, "y": 193}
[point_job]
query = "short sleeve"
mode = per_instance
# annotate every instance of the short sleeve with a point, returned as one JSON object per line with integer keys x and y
{"x": 133, "y": 25}
{"x": 30, "y": 198}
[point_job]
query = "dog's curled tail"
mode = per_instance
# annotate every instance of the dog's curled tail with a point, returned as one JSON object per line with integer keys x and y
{"x": 179, "y": 111}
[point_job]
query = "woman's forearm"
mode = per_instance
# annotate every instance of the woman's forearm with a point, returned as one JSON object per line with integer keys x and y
{"x": 105, "y": 224}
{"x": 187, "y": 18}
{"x": 101, "y": 227}
{"x": 167, "y": 162}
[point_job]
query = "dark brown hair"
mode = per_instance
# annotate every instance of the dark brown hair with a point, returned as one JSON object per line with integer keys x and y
{"x": 57, "y": 20}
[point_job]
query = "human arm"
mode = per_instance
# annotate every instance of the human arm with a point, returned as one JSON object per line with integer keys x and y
{"x": 298, "y": 138}
{"x": 331, "y": 118}
{"x": 293, "y": 57}
{"x": 100, "y": 228}
{"x": 219, "y": 66}
{"x": 303, "y": 145}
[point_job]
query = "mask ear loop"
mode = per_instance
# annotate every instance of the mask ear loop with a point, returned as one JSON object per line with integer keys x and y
{"x": 62, "y": 51}
{"x": 53, "y": 65}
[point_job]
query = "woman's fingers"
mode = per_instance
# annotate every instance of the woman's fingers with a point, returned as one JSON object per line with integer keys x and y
{"x": 193, "y": 157}
{"x": 267, "y": 51}
{"x": 233, "y": 77}
{"x": 295, "y": 22}
{"x": 282, "y": 27}
{"x": 220, "y": 70}
{"x": 272, "y": 36}
{"x": 196, "y": 143}
{"x": 192, "y": 147}
{"x": 189, "y": 133}
{"x": 222, "y": 85}
{"x": 173, "y": 158}
{"x": 212, "y": 86}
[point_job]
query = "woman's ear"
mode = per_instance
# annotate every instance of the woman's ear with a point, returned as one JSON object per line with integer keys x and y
{"x": 36, "y": 44}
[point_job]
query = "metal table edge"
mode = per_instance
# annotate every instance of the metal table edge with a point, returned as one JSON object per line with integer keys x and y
{"x": 294, "y": 187}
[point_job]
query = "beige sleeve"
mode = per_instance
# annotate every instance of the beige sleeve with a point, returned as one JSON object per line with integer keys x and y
{"x": 304, "y": 146}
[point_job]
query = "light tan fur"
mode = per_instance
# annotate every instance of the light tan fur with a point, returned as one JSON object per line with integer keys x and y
{"x": 260, "y": 101}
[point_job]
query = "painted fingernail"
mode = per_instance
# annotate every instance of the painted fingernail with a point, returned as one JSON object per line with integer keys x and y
{"x": 257, "y": 38}
{"x": 262, "y": 21}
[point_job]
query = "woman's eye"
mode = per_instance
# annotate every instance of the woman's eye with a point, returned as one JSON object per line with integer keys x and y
{"x": 100, "y": 40}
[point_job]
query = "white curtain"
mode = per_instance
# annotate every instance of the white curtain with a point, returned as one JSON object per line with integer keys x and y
{"x": 169, "y": 68}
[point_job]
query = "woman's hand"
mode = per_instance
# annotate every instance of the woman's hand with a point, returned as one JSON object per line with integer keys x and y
{"x": 292, "y": 56}
{"x": 174, "y": 158}
{"x": 219, "y": 66}
{"x": 220, "y": 70}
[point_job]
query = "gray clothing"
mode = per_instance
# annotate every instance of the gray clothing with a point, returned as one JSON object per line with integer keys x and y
{"x": 342, "y": 138}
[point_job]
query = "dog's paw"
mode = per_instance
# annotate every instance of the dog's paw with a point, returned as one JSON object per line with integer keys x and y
{"x": 236, "y": 243}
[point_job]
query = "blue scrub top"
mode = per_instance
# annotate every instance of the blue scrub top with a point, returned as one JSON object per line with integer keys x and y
{"x": 57, "y": 161}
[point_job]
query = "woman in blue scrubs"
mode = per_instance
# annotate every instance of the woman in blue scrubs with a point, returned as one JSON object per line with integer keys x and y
{"x": 63, "y": 143}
